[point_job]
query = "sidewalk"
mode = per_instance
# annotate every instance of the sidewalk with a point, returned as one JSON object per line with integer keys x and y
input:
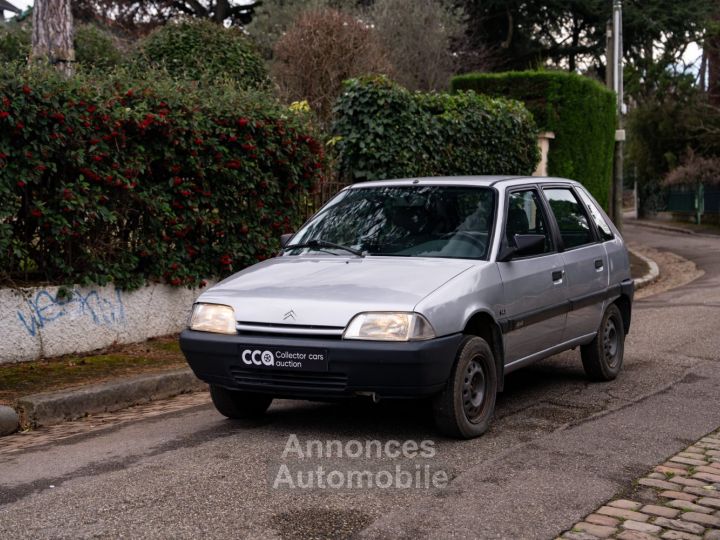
{"x": 678, "y": 500}
{"x": 665, "y": 223}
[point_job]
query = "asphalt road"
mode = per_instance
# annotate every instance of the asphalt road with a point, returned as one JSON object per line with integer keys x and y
{"x": 558, "y": 449}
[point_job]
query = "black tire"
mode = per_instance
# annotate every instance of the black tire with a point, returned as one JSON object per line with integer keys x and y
{"x": 237, "y": 404}
{"x": 602, "y": 358}
{"x": 466, "y": 405}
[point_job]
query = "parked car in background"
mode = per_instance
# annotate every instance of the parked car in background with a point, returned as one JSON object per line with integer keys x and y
{"x": 423, "y": 287}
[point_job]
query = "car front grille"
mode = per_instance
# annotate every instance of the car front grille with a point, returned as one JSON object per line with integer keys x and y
{"x": 245, "y": 328}
{"x": 288, "y": 380}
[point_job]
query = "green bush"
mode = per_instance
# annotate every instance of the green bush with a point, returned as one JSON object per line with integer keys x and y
{"x": 383, "y": 131}
{"x": 14, "y": 41}
{"x": 95, "y": 47}
{"x": 133, "y": 180}
{"x": 580, "y": 112}
{"x": 200, "y": 49}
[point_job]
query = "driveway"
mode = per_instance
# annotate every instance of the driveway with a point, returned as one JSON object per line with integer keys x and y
{"x": 559, "y": 448}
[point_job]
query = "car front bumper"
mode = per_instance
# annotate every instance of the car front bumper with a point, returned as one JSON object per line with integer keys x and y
{"x": 387, "y": 369}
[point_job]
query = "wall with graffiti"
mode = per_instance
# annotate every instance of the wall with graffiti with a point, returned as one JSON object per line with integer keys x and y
{"x": 52, "y": 321}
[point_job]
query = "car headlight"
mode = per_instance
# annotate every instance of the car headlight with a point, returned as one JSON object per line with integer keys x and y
{"x": 213, "y": 318}
{"x": 389, "y": 326}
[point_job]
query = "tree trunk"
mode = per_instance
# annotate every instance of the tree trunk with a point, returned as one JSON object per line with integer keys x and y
{"x": 52, "y": 35}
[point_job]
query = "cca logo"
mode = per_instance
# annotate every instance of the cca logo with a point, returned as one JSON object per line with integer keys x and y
{"x": 258, "y": 358}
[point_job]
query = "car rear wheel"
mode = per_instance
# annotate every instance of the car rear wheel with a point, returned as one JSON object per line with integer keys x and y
{"x": 465, "y": 407}
{"x": 602, "y": 358}
{"x": 237, "y": 404}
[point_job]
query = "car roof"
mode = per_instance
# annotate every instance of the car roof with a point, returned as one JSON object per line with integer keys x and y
{"x": 481, "y": 181}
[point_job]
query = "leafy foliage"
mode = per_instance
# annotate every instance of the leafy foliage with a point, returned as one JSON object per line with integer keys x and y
{"x": 579, "y": 111}
{"x": 383, "y": 131}
{"x": 94, "y": 46}
{"x": 14, "y": 42}
{"x": 128, "y": 180}
{"x": 201, "y": 49}
{"x": 571, "y": 34}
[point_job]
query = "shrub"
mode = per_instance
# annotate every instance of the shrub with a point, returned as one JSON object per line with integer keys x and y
{"x": 695, "y": 170}
{"x": 200, "y": 49}
{"x": 95, "y": 47}
{"x": 14, "y": 41}
{"x": 134, "y": 180}
{"x": 580, "y": 112}
{"x": 384, "y": 131}
{"x": 321, "y": 50}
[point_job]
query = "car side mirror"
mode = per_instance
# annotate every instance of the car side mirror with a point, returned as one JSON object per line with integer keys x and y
{"x": 525, "y": 244}
{"x": 285, "y": 238}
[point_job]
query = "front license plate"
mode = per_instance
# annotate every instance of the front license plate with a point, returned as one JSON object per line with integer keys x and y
{"x": 284, "y": 358}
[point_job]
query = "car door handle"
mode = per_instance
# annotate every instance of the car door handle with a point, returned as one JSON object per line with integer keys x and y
{"x": 599, "y": 264}
{"x": 557, "y": 276}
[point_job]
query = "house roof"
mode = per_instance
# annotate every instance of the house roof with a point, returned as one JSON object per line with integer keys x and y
{"x": 7, "y": 6}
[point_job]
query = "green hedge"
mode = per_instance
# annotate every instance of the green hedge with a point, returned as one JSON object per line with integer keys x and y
{"x": 200, "y": 49}
{"x": 135, "y": 180}
{"x": 580, "y": 111}
{"x": 94, "y": 46}
{"x": 383, "y": 131}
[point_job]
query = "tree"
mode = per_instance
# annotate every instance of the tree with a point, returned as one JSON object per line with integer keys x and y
{"x": 52, "y": 35}
{"x": 571, "y": 33}
{"x": 139, "y": 16}
{"x": 321, "y": 50}
{"x": 418, "y": 36}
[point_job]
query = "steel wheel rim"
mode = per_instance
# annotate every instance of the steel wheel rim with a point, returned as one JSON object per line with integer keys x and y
{"x": 611, "y": 342}
{"x": 474, "y": 390}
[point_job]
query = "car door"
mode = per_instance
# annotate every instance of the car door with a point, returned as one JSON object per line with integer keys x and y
{"x": 585, "y": 261}
{"x": 534, "y": 289}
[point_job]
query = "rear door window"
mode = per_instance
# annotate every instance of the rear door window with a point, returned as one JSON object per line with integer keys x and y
{"x": 570, "y": 216}
{"x": 602, "y": 226}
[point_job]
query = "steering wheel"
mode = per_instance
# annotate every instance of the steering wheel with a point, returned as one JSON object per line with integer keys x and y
{"x": 467, "y": 237}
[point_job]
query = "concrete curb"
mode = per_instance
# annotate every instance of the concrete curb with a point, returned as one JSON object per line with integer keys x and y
{"x": 55, "y": 407}
{"x": 652, "y": 274}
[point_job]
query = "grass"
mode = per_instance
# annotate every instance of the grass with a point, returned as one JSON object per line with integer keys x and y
{"x": 17, "y": 380}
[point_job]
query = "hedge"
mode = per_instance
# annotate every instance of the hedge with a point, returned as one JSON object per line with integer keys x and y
{"x": 94, "y": 46}
{"x": 200, "y": 49}
{"x": 136, "y": 180}
{"x": 579, "y": 111}
{"x": 383, "y": 131}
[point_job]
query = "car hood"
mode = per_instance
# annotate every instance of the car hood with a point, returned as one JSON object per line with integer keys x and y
{"x": 329, "y": 291}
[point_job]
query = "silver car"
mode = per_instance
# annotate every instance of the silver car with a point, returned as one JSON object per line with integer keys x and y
{"x": 423, "y": 287}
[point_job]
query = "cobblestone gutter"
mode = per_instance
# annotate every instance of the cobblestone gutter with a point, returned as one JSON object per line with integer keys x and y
{"x": 678, "y": 500}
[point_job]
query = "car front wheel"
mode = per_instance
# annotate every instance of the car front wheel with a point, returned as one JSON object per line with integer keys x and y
{"x": 237, "y": 404}
{"x": 465, "y": 407}
{"x": 602, "y": 358}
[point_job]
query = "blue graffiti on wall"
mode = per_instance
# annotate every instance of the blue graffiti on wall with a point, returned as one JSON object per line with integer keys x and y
{"x": 46, "y": 308}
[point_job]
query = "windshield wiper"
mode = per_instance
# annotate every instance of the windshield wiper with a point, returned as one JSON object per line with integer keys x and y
{"x": 319, "y": 244}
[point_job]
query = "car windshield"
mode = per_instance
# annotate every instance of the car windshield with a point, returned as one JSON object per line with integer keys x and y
{"x": 404, "y": 221}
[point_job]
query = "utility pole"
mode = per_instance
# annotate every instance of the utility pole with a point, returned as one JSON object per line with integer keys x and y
{"x": 614, "y": 80}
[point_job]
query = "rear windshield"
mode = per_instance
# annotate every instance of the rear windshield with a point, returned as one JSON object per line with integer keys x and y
{"x": 406, "y": 221}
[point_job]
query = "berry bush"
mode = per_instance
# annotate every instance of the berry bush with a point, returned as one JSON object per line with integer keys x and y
{"x": 130, "y": 180}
